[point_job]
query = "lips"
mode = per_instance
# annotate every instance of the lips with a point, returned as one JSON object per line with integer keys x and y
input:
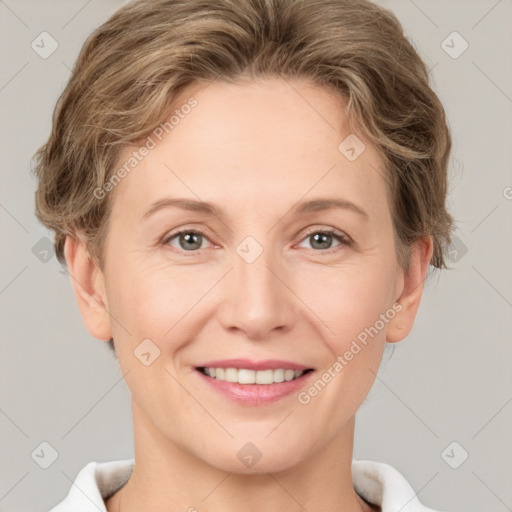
{"x": 254, "y": 383}
{"x": 248, "y": 364}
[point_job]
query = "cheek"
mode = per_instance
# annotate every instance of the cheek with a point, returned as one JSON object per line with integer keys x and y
{"x": 346, "y": 301}
{"x": 157, "y": 303}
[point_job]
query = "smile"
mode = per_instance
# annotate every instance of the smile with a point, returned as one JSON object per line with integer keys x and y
{"x": 249, "y": 382}
{"x": 247, "y": 376}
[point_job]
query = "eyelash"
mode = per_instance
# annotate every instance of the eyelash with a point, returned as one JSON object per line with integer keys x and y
{"x": 341, "y": 238}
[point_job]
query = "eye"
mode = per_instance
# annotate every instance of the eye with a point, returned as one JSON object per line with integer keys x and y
{"x": 322, "y": 239}
{"x": 187, "y": 239}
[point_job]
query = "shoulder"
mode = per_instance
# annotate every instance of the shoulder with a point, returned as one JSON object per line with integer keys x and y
{"x": 381, "y": 484}
{"x": 95, "y": 482}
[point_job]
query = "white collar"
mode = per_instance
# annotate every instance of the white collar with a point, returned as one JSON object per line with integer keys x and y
{"x": 377, "y": 482}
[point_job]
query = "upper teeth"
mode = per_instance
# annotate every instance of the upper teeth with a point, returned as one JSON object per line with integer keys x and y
{"x": 244, "y": 376}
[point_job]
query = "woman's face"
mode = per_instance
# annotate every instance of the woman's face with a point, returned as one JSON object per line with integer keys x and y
{"x": 262, "y": 278}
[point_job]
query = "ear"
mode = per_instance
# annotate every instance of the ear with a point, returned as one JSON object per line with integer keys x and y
{"x": 89, "y": 286}
{"x": 413, "y": 281}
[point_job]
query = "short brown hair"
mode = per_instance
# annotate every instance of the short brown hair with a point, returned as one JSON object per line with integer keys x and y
{"x": 131, "y": 69}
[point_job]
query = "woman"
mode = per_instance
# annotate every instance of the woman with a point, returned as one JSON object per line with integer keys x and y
{"x": 248, "y": 196}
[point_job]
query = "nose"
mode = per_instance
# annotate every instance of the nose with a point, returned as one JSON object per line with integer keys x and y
{"x": 258, "y": 300}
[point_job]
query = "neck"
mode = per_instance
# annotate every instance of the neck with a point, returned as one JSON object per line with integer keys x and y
{"x": 167, "y": 477}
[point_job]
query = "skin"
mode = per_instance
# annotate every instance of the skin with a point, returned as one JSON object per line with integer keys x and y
{"x": 253, "y": 149}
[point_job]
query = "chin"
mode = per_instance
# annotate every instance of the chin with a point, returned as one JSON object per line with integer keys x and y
{"x": 248, "y": 458}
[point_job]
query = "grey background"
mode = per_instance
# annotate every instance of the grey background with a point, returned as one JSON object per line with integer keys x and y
{"x": 450, "y": 380}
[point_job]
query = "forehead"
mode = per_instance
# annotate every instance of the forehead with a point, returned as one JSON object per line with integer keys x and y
{"x": 260, "y": 142}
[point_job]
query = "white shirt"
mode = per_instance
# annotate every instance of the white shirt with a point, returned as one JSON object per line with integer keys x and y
{"x": 377, "y": 482}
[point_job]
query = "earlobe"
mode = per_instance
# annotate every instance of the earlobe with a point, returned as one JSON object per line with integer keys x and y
{"x": 413, "y": 282}
{"x": 89, "y": 287}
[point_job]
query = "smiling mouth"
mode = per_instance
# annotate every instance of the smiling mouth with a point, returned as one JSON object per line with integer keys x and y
{"x": 246, "y": 376}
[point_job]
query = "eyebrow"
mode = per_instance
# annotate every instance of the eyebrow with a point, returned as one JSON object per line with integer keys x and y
{"x": 206, "y": 208}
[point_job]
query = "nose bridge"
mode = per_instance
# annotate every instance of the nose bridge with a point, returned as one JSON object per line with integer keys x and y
{"x": 256, "y": 301}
